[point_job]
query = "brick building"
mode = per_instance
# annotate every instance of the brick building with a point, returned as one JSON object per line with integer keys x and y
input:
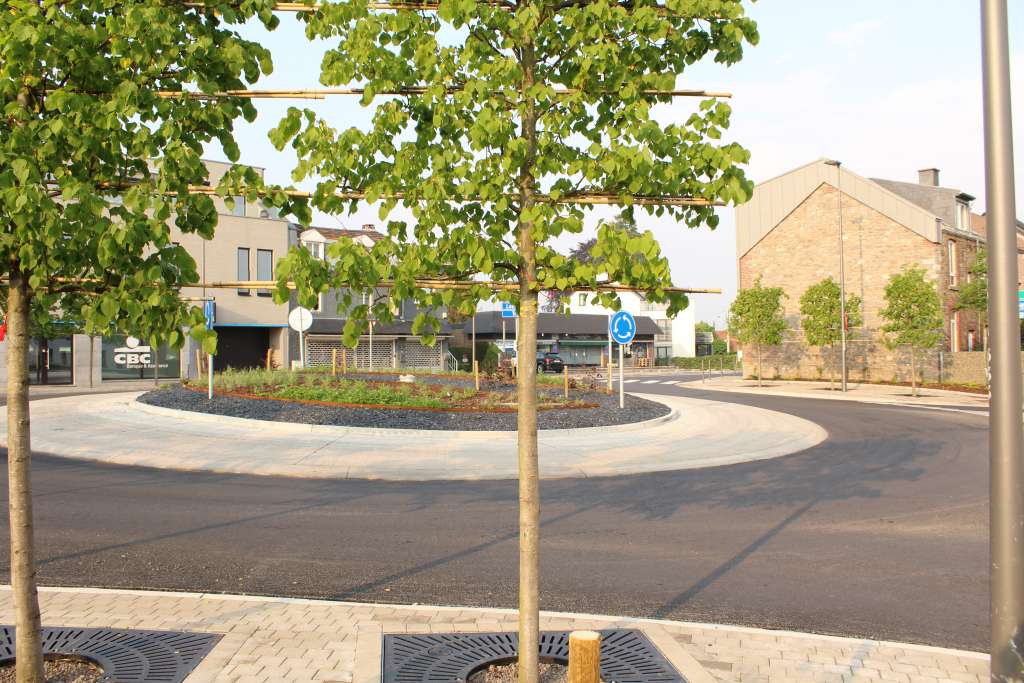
{"x": 788, "y": 234}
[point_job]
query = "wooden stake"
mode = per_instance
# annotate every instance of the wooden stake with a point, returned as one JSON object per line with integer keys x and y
{"x": 344, "y": 361}
{"x": 199, "y": 364}
{"x": 565, "y": 378}
{"x": 611, "y": 366}
{"x": 334, "y": 362}
{"x": 476, "y": 374}
{"x": 584, "y": 657}
{"x": 270, "y": 359}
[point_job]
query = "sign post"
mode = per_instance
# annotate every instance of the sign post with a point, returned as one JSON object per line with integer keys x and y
{"x": 210, "y": 310}
{"x": 300, "y": 320}
{"x": 622, "y": 328}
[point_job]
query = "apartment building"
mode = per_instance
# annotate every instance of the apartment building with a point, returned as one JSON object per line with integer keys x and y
{"x": 248, "y": 240}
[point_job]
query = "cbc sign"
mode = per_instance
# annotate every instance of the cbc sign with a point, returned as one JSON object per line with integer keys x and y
{"x": 133, "y": 354}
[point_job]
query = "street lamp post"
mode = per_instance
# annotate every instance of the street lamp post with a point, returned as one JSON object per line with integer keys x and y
{"x": 842, "y": 275}
{"x": 1006, "y": 470}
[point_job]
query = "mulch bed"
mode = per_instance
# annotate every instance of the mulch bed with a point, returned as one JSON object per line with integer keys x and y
{"x": 604, "y": 411}
{"x": 60, "y": 669}
{"x": 508, "y": 673}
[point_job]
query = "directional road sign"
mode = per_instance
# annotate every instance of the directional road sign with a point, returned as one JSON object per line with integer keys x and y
{"x": 622, "y": 327}
{"x": 507, "y": 310}
{"x": 210, "y": 310}
{"x": 300, "y": 319}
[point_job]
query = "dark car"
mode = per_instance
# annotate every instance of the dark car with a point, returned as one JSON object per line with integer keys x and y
{"x": 549, "y": 362}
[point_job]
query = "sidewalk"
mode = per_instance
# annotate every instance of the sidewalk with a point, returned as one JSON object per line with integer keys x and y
{"x": 865, "y": 393}
{"x": 292, "y": 641}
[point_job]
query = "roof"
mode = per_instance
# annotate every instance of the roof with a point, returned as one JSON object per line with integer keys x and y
{"x": 584, "y": 324}
{"x": 775, "y": 199}
{"x": 399, "y": 328}
{"x": 334, "y": 234}
{"x": 938, "y": 201}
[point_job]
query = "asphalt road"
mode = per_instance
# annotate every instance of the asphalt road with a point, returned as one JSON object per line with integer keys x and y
{"x": 881, "y": 532}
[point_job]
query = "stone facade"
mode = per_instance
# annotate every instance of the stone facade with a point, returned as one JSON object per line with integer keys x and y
{"x": 803, "y": 249}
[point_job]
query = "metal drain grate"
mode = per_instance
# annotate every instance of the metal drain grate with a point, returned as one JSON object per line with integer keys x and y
{"x": 126, "y": 656}
{"x": 627, "y": 656}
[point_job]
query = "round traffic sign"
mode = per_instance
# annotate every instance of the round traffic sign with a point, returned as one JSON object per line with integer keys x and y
{"x": 300, "y": 319}
{"x": 622, "y": 327}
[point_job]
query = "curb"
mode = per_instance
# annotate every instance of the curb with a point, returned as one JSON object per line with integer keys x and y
{"x": 972, "y": 408}
{"x": 342, "y": 430}
{"x": 637, "y": 621}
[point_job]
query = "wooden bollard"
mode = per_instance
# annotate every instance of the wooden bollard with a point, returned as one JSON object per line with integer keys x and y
{"x": 611, "y": 366}
{"x": 565, "y": 380}
{"x": 476, "y": 374}
{"x": 584, "y": 657}
{"x": 270, "y": 359}
{"x": 199, "y": 364}
{"x": 334, "y": 362}
{"x": 344, "y": 361}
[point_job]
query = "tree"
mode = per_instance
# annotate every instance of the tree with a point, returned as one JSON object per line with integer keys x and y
{"x": 755, "y": 317}
{"x": 93, "y": 163}
{"x": 914, "y": 314}
{"x": 624, "y": 222}
{"x": 821, "y": 313}
{"x": 702, "y": 326}
{"x": 974, "y": 294}
{"x": 524, "y": 115}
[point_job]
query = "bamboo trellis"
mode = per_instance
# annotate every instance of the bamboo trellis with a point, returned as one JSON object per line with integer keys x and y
{"x": 324, "y": 93}
{"x": 421, "y": 6}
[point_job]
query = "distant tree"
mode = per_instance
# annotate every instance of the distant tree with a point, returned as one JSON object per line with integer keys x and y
{"x": 719, "y": 346}
{"x": 914, "y": 314}
{"x": 703, "y": 326}
{"x": 820, "y": 313}
{"x": 623, "y": 223}
{"x": 755, "y": 317}
{"x": 974, "y": 294}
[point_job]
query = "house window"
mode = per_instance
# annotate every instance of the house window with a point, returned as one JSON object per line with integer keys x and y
{"x": 954, "y": 332}
{"x": 316, "y": 249}
{"x": 666, "y": 331}
{"x": 581, "y": 299}
{"x": 239, "y": 206}
{"x": 264, "y": 268}
{"x": 243, "y": 269}
{"x": 951, "y": 258}
{"x": 963, "y": 216}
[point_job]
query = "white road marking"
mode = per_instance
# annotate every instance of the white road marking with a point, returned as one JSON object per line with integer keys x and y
{"x": 652, "y": 381}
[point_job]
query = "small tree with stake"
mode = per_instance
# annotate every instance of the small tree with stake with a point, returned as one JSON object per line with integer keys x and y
{"x": 514, "y": 118}
{"x": 755, "y": 317}
{"x": 820, "y": 312}
{"x": 94, "y": 162}
{"x": 914, "y": 314}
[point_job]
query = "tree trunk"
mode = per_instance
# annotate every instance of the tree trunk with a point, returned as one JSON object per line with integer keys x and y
{"x": 758, "y": 365}
{"x": 29, "y": 652}
{"x": 913, "y": 371}
{"x": 529, "y": 471}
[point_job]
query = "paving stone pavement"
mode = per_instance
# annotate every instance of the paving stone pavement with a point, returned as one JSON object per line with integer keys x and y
{"x": 291, "y": 640}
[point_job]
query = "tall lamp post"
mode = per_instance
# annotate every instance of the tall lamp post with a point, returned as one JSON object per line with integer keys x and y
{"x": 842, "y": 274}
{"x": 1006, "y": 470}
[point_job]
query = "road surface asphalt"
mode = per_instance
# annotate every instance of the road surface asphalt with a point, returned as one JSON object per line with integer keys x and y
{"x": 880, "y": 531}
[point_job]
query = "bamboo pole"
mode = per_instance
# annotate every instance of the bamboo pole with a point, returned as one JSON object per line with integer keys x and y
{"x": 409, "y": 91}
{"x": 584, "y": 657}
{"x": 476, "y": 374}
{"x": 334, "y": 362}
{"x": 433, "y": 6}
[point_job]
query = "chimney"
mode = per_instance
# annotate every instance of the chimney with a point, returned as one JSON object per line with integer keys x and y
{"x": 369, "y": 227}
{"x": 928, "y": 176}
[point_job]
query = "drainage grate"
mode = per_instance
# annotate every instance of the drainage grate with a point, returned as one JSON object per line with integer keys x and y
{"x": 627, "y": 656}
{"x": 126, "y": 656}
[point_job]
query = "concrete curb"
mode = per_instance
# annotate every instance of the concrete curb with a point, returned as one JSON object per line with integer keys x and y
{"x": 754, "y": 391}
{"x": 636, "y": 622}
{"x": 341, "y": 430}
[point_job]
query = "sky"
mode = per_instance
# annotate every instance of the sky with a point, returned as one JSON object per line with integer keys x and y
{"x": 887, "y": 87}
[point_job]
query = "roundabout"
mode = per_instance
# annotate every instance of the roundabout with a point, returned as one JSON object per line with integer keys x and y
{"x": 695, "y": 433}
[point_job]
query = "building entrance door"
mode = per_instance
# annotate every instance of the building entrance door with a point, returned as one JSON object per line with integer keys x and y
{"x": 50, "y": 361}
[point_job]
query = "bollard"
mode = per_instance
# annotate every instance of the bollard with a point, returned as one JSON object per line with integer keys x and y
{"x": 565, "y": 373}
{"x": 199, "y": 364}
{"x": 344, "y": 361}
{"x": 334, "y": 362}
{"x": 476, "y": 374}
{"x": 270, "y": 359}
{"x": 584, "y": 657}
{"x": 610, "y": 367}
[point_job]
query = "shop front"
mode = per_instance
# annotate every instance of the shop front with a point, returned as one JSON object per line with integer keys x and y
{"x": 51, "y": 361}
{"x": 125, "y": 358}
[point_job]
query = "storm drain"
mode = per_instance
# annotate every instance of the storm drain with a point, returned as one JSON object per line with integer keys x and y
{"x": 627, "y": 656}
{"x": 127, "y": 656}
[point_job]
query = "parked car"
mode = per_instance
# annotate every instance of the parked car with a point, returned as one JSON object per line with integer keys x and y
{"x": 549, "y": 362}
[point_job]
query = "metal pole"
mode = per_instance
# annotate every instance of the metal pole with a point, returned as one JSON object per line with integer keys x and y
{"x": 209, "y": 377}
{"x": 842, "y": 277}
{"x": 302, "y": 349}
{"x": 472, "y": 349}
{"x": 1006, "y": 500}
{"x": 622, "y": 383}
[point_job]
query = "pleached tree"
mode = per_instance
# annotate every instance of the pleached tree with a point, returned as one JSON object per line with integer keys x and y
{"x": 94, "y": 164}
{"x": 511, "y": 121}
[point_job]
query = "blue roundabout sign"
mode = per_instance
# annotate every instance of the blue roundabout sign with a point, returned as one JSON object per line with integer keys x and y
{"x": 622, "y": 327}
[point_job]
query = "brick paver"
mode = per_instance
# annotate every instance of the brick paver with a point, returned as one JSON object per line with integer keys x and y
{"x": 291, "y": 641}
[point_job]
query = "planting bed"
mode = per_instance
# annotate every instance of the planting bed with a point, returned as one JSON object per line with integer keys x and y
{"x": 588, "y": 410}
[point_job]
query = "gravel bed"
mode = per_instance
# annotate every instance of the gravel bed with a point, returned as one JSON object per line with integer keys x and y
{"x": 60, "y": 669}
{"x": 509, "y": 673}
{"x": 607, "y": 412}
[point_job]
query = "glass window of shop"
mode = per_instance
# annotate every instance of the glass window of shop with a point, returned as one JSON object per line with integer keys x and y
{"x": 130, "y": 358}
